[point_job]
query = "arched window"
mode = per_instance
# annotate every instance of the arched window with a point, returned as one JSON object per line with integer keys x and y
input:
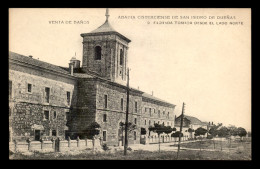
{"x": 97, "y": 53}
{"x": 121, "y": 57}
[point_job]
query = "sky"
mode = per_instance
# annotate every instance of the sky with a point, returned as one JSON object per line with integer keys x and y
{"x": 206, "y": 66}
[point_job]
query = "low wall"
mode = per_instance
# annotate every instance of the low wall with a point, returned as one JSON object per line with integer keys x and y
{"x": 54, "y": 145}
{"x": 163, "y": 139}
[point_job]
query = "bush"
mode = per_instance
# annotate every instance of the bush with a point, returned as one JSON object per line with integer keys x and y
{"x": 209, "y": 137}
{"x": 176, "y": 134}
{"x": 143, "y": 131}
{"x": 105, "y": 147}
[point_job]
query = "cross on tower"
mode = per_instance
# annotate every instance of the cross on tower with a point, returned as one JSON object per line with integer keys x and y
{"x": 107, "y": 14}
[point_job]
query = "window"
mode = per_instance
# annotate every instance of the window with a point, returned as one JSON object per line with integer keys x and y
{"x": 104, "y": 135}
{"x": 150, "y": 111}
{"x": 29, "y": 87}
{"x": 10, "y": 89}
{"x": 54, "y": 133}
{"x": 163, "y": 112}
{"x": 47, "y": 94}
{"x": 105, "y": 101}
{"x": 134, "y": 135}
{"x": 68, "y": 97}
{"x": 104, "y": 118}
{"x": 144, "y": 122}
{"x": 145, "y": 109}
{"x": 122, "y": 104}
{"x": 54, "y": 115}
{"x": 135, "y": 120}
{"x": 121, "y": 57}
{"x": 163, "y": 123}
{"x": 135, "y": 107}
{"x": 46, "y": 115}
{"x": 158, "y": 122}
{"x": 149, "y": 122}
{"x": 168, "y": 123}
{"x": 168, "y": 114}
{"x": 97, "y": 53}
{"x": 159, "y": 114}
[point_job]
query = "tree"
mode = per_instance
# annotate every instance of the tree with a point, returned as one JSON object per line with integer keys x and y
{"x": 232, "y": 132}
{"x": 223, "y": 132}
{"x": 143, "y": 131}
{"x": 200, "y": 131}
{"x": 174, "y": 129}
{"x": 213, "y": 131}
{"x": 176, "y": 134}
{"x": 92, "y": 130}
{"x": 130, "y": 127}
{"x": 168, "y": 130}
{"x": 241, "y": 132}
{"x": 159, "y": 129}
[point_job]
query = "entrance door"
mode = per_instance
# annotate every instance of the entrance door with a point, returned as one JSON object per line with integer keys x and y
{"x": 37, "y": 135}
{"x": 120, "y": 137}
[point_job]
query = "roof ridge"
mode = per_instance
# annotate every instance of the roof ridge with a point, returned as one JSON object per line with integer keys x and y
{"x": 105, "y": 27}
{"x": 35, "y": 61}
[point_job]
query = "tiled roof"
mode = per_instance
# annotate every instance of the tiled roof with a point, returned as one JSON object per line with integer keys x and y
{"x": 154, "y": 98}
{"x": 36, "y": 62}
{"x": 193, "y": 120}
{"x": 106, "y": 27}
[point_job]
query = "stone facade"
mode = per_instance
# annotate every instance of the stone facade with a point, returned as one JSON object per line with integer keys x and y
{"x": 96, "y": 91}
{"x": 115, "y": 114}
{"x": 27, "y": 107}
{"x": 109, "y": 66}
{"x": 156, "y": 112}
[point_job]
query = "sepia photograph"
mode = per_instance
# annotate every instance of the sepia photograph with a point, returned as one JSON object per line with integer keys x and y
{"x": 130, "y": 84}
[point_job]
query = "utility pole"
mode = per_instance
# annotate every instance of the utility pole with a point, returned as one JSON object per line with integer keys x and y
{"x": 180, "y": 130}
{"x": 126, "y": 115}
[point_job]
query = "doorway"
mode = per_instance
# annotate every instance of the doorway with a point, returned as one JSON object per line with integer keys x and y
{"x": 37, "y": 135}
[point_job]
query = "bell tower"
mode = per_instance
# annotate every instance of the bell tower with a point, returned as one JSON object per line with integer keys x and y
{"x": 105, "y": 52}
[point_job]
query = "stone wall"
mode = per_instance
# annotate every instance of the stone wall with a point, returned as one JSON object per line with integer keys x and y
{"x": 108, "y": 67}
{"x": 55, "y": 145}
{"x": 114, "y": 113}
{"x": 26, "y": 115}
{"x": 58, "y": 89}
{"x": 84, "y": 113}
{"x": 154, "y": 117}
{"x": 27, "y": 107}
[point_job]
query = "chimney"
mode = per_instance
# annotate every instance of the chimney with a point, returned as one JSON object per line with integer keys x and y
{"x": 71, "y": 66}
{"x": 152, "y": 93}
{"x": 30, "y": 56}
